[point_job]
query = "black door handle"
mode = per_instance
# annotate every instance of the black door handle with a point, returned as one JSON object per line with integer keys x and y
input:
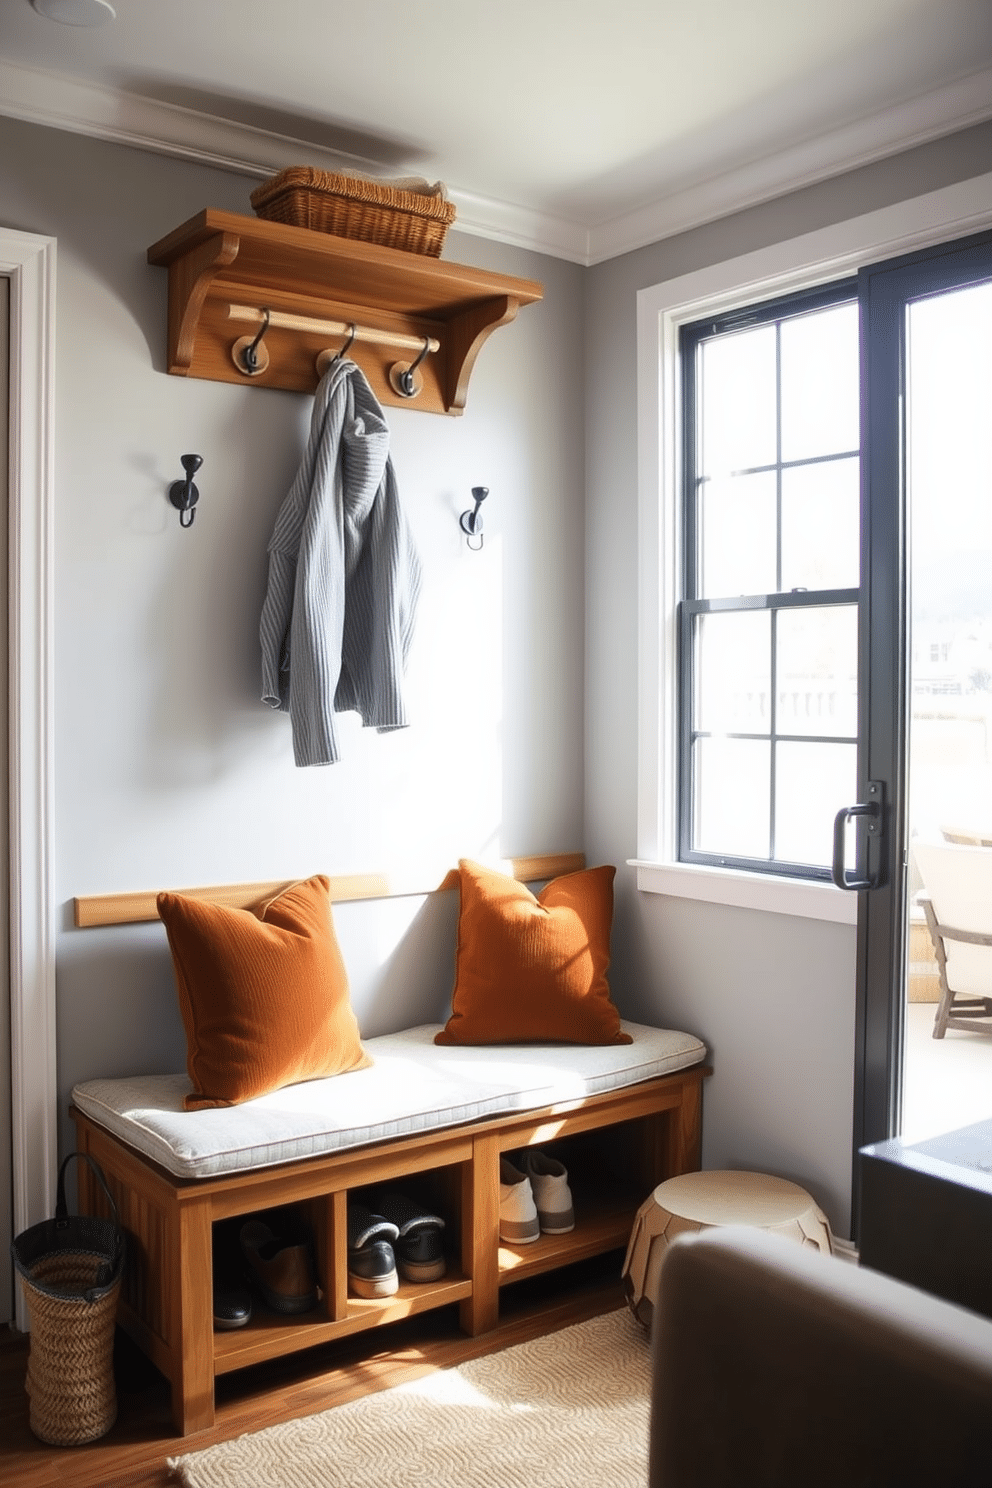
{"x": 872, "y": 809}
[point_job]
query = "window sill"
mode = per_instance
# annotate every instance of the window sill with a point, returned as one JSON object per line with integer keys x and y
{"x": 791, "y": 896}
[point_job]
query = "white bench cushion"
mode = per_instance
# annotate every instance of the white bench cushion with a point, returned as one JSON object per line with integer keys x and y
{"x": 412, "y": 1086}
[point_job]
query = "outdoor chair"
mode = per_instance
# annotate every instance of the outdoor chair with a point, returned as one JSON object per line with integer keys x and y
{"x": 957, "y": 900}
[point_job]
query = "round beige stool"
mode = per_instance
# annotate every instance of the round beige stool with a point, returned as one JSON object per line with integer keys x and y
{"x": 699, "y": 1201}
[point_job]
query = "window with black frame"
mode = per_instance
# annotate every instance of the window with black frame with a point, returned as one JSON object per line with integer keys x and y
{"x": 768, "y": 622}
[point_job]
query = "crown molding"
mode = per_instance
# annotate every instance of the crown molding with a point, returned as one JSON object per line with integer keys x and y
{"x": 862, "y": 142}
{"x": 524, "y": 227}
{"x": 59, "y": 102}
{"x": 165, "y": 128}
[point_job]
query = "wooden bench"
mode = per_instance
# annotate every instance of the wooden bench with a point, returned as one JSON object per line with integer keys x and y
{"x": 617, "y": 1145}
{"x": 619, "y": 1136}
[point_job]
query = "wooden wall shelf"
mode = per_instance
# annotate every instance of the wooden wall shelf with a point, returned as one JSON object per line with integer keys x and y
{"x": 219, "y": 260}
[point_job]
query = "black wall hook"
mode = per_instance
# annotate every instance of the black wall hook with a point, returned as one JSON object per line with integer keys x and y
{"x": 183, "y": 494}
{"x": 250, "y": 355}
{"x": 340, "y": 356}
{"x": 406, "y": 381}
{"x": 471, "y": 521}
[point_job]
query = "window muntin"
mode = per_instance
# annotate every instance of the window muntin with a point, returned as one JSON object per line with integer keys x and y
{"x": 768, "y": 622}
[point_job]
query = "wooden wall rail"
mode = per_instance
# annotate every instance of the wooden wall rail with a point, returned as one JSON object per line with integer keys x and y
{"x": 133, "y": 908}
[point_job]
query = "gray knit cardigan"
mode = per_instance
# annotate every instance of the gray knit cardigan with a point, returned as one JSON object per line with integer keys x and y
{"x": 344, "y": 576}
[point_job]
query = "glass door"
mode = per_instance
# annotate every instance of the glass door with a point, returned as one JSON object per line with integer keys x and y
{"x": 926, "y": 650}
{"x": 947, "y": 1067}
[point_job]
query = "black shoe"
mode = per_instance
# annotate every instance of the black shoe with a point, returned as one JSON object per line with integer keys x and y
{"x": 231, "y": 1299}
{"x": 371, "y": 1258}
{"x": 419, "y": 1247}
{"x": 232, "y": 1305}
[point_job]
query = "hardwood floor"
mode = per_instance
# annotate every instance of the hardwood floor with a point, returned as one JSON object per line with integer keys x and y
{"x": 133, "y": 1453}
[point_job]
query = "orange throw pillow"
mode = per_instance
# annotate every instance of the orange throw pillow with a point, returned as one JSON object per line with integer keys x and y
{"x": 263, "y": 994}
{"x": 533, "y": 969}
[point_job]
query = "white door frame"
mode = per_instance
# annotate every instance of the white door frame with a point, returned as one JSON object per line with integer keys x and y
{"x": 29, "y": 262}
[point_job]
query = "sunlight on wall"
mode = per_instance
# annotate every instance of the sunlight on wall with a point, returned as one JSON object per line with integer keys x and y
{"x": 433, "y": 793}
{"x": 447, "y": 770}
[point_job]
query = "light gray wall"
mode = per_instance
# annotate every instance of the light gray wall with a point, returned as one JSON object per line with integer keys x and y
{"x": 772, "y": 995}
{"x": 169, "y": 770}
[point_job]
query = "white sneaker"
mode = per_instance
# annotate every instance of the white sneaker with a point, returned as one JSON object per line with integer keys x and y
{"x": 518, "y": 1222}
{"x": 552, "y": 1195}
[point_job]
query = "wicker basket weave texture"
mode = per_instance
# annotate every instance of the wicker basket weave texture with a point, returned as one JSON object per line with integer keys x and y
{"x": 357, "y": 208}
{"x": 70, "y": 1378}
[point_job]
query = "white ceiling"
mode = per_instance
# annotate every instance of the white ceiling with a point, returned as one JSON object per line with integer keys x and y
{"x": 583, "y": 127}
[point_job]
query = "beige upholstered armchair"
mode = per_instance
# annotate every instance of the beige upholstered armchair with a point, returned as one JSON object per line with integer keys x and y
{"x": 776, "y": 1366}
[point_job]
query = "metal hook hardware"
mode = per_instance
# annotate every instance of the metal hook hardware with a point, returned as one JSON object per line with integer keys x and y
{"x": 471, "y": 521}
{"x": 348, "y": 344}
{"x": 251, "y": 361}
{"x": 327, "y": 358}
{"x": 404, "y": 380}
{"x": 183, "y": 494}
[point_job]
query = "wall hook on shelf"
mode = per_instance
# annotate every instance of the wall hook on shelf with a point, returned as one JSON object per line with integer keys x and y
{"x": 328, "y": 358}
{"x": 250, "y": 353}
{"x": 183, "y": 494}
{"x": 471, "y": 521}
{"x": 339, "y": 356}
{"x": 404, "y": 377}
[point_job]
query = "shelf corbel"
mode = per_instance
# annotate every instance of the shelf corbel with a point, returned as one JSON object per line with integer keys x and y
{"x": 190, "y": 278}
{"x": 469, "y": 332}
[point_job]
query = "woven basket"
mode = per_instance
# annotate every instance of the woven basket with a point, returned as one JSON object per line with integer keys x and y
{"x": 355, "y": 207}
{"x": 70, "y": 1379}
{"x": 71, "y": 1268}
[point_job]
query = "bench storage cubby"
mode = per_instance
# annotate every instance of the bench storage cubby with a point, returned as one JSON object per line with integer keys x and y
{"x": 622, "y": 1118}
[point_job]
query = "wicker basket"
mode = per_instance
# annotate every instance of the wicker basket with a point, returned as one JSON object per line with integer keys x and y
{"x": 355, "y": 207}
{"x": 71, "y": 1269}
{"x": 70, "y": 1378}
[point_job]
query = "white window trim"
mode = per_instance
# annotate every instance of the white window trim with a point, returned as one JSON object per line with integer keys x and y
{"x": 662, "y": 309}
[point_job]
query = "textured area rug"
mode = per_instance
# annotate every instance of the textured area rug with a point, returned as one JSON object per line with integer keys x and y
{"x": 569, "y": 1410}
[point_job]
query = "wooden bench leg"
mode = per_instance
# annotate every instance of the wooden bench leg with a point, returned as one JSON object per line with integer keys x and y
{"x": 480, "y": 1236}
{"x": 685, "y": 1131}
{"x": 192, "y": 1331}
{"x": 669, "y": 1142}
{"x": 336, "y": 1290}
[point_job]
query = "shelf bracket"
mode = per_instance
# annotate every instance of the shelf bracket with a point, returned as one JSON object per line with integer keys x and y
{"x": 190, "y": 278}
{"x": 468, "y": 333}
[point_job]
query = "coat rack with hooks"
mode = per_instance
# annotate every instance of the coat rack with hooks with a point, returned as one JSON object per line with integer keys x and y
{"x": 304, "y": 288}
{"x": 251, "y": 357}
